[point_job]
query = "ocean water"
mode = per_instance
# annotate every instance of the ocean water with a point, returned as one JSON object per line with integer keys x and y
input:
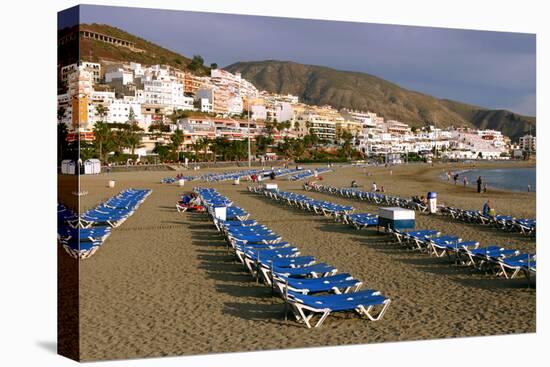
{"x": 515, "y": 179}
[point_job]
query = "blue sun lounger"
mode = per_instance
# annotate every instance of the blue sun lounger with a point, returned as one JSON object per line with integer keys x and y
{"x": 315, "y": 271}
{"x": 93, "y": 234}
{"x": 511, "y": 266}
{"x": 251, "y": 238}
{"x": 362, "y": 220}
{"x": 438, "y": 245}
{"x": 490, "y": 254}
{"x": 305, "y": 307}
{"x": 81, "y": 250}
{"x": 339, "y": 283}
{"x": 253, "y": 258}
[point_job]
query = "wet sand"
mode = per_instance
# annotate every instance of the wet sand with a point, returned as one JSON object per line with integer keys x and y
{"x": 163, "y": 284}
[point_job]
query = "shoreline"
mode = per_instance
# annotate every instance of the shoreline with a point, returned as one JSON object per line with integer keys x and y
{"x": 462, "y": 172}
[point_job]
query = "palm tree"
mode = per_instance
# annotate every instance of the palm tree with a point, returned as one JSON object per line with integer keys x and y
{"x": 177, "y": 139}
{"x": 133, "y": 138}
{"x": 299, "y": 148}
{"x": 102, "y": 137}
{"x": 101, "y": 111}
{"x": 196, "y": 146}
{"x": 346, "y": 146}
{"x": 203, "y": 144}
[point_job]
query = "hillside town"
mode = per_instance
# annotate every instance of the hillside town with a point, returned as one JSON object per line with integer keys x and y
{"x": 159, "y": 100}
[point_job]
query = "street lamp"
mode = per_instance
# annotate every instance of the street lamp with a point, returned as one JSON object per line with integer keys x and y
{"x": 248, "y": 114}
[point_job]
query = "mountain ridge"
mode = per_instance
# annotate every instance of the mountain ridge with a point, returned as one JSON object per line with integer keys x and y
{"x": 321, "y": 85}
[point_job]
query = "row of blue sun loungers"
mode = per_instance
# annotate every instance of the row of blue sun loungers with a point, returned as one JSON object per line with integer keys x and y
{"x": 227, "y": 176}
{"x": 81, "y": 236}
{"x": 508, "y": 223}
{"x": 308, "y": 173}
{"x": 230, "y": 176}
{"x": 304, "y": 202}
{"x": 376, "y": 198}
{"x": 311, "y": 289}
{"x": 494, "y": 259}
{"x": 502, "y": 222}
{"x": 171, "y": 180}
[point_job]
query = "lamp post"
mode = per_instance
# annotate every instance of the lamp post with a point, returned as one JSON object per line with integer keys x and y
{"x": 248, "y": 114}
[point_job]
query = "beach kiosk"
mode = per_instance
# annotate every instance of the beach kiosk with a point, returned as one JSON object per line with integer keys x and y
{"x": 271, "y": 187}
{"x": 396, "y": 218}
{"x": 92, "y": 166}
{"x": 220, "y": 212}
{"x": 68, "y": 167}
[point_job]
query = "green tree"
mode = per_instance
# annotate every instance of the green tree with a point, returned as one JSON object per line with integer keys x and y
{"x": 101, "y": 111}
{"x": 262, "y": 143}
{"x": 196, "y": 63}
{"x": 299, "y": 148}
{"x": 213, "y": 65}
{"x": 176, "y": 141}
{"x": 133, "y": 137}
{"x": 346, "y": 148}
{"x": 203, "y": 144}
{"x": 163, "y": 151}
{"x": 269, "y": 129}
{"x": 103, "y": 138}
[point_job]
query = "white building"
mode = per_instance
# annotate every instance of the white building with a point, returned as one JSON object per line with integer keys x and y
{"x": 124, "y": 75}
{"x": 528, "y": 143}
{"x": 206, "y": 105}
{"x": 258, "y": 112}
{"x": 282, "y": 111}
{"x": 92, "y": 67}
{"x": 120, "y": 112}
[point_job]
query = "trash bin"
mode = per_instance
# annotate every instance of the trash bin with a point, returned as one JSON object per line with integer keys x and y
{"x": 111, "y": 184}
{"x": 432, "y": 202}
{"x": 181, "y": 182}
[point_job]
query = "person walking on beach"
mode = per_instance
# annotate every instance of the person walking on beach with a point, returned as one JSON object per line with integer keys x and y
{"x": 485, "y": 187}
{"x": 465, "y": 181}
{"x": 455, "y": 178}
{"x": 373, "y": 187}
{"x": 479, "y": 182}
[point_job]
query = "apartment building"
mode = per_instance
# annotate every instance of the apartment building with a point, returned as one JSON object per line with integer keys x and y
{"x": 528, "y": 143}
{"x": 91, "y": 67}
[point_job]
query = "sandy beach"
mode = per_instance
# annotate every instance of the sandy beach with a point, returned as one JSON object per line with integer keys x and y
{"x": 163, "y": 283}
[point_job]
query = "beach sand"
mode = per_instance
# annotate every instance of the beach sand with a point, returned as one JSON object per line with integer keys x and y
{"x": 163, "y": 283}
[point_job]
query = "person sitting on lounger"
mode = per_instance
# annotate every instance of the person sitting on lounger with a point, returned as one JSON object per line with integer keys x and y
{"x": 185, "y": 199}
{"x": 488, "y": 209}
{"x": 195, "y": 200}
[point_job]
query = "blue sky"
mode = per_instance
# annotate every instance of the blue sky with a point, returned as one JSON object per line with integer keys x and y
{"x": 489, "y": 69}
